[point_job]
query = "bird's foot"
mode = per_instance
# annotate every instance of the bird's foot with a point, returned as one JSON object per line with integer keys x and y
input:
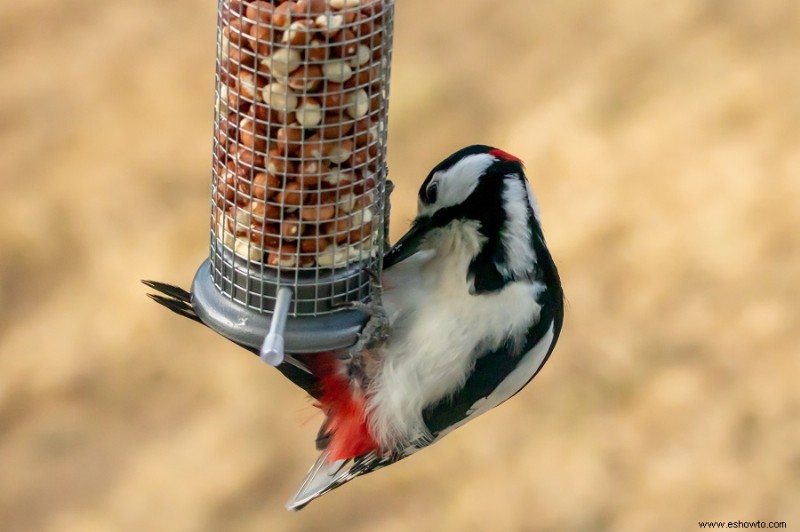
{"x": 376, "y": 331}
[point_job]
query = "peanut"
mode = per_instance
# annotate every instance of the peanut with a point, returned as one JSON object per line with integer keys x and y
{"x": 298, "y": 33}
{"x": 309, "y": 8}
{"x": 282, "y": 15}
{"x": 305, "y": 79}
{"x": 260, "y": 13}
{"x": 282, "y": 62}
{"x": 284, "y": 255}
{"x": 300, "y": 120}
{"x": 309, "y": 113}
{"x": 280, "y": 97}
{"x": 329, "y": 24}
{"x": 337, "y": 71}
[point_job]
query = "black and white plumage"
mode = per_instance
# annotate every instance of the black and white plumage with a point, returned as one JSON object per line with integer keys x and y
{"x": 474, "y": 305}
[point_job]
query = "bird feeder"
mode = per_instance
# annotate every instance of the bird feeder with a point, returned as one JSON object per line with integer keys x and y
{"x": 298, "y": 183}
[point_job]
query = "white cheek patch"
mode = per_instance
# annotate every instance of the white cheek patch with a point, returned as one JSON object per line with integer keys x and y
{"x": 458, "y": 182}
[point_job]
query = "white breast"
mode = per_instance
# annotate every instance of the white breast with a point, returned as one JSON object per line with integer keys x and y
{"x": 439, "y": 329}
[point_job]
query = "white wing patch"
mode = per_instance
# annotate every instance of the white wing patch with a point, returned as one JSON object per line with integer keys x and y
{"x": 516, "y": 232}
{"x": 534, "y": 203}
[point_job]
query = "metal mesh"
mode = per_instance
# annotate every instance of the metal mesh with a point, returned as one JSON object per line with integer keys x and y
{"x": 299, "y": 165}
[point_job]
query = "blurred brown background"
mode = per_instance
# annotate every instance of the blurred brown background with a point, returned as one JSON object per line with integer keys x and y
{"x": 663, "y": 141}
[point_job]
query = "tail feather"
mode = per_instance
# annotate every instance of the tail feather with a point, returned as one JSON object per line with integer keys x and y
{"x": 347, "y": 448}
{"x": 325, "y": 475}
{"x": 174, "y": 298}
{"x": 328, "y": 474}
{"x": 173, "y": 291}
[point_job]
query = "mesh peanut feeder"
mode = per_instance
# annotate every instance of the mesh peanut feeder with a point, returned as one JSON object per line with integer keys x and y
{"x": 298, "y": 193}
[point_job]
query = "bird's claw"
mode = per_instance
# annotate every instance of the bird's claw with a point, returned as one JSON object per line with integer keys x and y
{"x": 376, "y": 330}
{"x": 376, "y": 291}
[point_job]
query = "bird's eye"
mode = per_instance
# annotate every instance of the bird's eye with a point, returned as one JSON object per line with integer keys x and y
{"x": 431, "y": 193}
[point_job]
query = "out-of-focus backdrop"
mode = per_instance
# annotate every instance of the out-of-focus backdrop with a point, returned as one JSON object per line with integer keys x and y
{"x": 663, "y": 141}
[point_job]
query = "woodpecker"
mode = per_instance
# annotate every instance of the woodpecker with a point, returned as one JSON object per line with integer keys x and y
{"x": 470, "y": 308}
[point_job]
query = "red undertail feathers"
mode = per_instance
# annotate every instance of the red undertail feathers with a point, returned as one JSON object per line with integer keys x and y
{"x": 345, "y": 409}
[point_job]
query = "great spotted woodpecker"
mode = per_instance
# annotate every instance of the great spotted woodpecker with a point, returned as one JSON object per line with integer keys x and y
{"x": 471, "y": 307}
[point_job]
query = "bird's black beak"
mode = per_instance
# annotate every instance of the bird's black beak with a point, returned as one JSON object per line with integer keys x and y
{"x": 410, "y": 243}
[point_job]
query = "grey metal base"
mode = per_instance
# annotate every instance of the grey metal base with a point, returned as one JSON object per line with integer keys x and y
{"x": 248, "y": 327}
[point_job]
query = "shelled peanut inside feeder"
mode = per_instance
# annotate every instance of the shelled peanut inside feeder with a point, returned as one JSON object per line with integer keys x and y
{"x": 299, "y": 159}
{"x": 300, "y": 131}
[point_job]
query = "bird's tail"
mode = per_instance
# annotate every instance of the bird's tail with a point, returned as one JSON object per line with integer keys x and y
{"x": 347, "y": 448}
{"x": 325, "y": 475}
{"x": 328, "y": 474}
{"x": 174, "y": 298}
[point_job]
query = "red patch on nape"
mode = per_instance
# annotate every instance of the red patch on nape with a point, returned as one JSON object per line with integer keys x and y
{"x": 347, "y": 419}
{"x": 500, "y": 154}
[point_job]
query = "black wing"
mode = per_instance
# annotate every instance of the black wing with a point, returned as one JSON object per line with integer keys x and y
{"x": 492, "y": 368}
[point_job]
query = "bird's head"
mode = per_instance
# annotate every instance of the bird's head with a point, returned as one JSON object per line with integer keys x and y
{"x": 483, "y": 190}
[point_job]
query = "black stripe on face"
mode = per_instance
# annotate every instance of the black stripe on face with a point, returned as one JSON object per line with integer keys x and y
{"x": 488, "y": 271}
{"x": 485, "y": 206}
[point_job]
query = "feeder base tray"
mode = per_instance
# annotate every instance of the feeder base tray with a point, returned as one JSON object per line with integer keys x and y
{"x": 244, "y": 326}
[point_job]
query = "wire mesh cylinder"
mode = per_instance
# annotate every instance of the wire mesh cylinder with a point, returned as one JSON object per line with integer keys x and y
{"x": 299, "y": 164}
